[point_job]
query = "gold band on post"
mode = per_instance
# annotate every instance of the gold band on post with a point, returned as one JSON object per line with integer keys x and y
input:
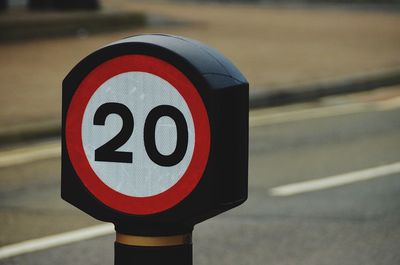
{"x": 154, "y": 241}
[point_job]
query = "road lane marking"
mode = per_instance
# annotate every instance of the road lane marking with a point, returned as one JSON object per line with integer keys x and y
{"x": 30, "y": 154}
{"x": 334, "y": 181}
{"x": 56, "y": 240}
{"x": 288, "y": 114}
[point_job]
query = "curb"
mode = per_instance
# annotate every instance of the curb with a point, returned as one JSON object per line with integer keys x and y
{"x": 298, "y": 94}
{"x": 42, "y": 130}
{"x": 30, "y": 132}
{"x": 21, "y": 25}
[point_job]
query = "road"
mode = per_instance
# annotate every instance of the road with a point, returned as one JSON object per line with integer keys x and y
{"x": 342, "y": 223}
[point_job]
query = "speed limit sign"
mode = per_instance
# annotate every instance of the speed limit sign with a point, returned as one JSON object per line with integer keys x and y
{"x": 137, "y": 133}
{"x": 155, "y": 134}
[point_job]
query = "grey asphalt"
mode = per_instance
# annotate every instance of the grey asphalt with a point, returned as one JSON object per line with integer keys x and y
{"x": 351, "y": 224}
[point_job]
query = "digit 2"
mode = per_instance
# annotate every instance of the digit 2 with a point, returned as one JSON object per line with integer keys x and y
{"x": 107, "y": 152}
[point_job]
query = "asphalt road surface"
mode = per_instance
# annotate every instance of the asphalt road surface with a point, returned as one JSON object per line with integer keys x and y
{"x": 328, "y": 218}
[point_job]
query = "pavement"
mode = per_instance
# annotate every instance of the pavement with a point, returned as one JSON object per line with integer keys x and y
{"x": 288, "y": 54}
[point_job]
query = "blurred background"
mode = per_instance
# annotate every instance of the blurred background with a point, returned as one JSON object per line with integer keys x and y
{"x": 325, "y": 114}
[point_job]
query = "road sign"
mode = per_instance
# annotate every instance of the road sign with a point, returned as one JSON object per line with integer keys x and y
{"x": 137, "y": 133}
{"x": 155, "y": 140}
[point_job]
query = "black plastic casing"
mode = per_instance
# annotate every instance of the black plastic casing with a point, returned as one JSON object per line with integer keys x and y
{"x": 225, "y": 94}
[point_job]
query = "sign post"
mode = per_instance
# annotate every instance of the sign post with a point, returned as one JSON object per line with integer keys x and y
{"x": 155, "y": 140}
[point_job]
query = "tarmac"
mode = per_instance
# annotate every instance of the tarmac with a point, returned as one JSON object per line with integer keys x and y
{"x": 289, "y": 55}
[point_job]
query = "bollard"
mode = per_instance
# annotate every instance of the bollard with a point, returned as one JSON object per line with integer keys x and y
{"x": 153, "y": 250}
{"x": 154, "y": 140}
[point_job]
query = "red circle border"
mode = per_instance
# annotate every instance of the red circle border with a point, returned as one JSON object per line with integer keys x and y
{"x": 73, "y": 134}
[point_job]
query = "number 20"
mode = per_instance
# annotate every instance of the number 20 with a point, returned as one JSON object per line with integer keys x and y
{"x": 108, "y": 153}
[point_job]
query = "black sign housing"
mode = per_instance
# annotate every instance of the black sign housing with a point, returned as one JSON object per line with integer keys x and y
{"x": 225, "y": 93}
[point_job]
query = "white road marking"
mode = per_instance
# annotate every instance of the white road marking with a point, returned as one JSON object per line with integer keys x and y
{"x": 289, "y": 114}
{"x": 30, "y": 154}
{"x": 55, "y": 240}
{"x": 334, "y": 181}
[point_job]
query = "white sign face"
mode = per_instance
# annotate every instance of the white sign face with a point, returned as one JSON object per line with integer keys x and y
{"x": 123, "y": 106}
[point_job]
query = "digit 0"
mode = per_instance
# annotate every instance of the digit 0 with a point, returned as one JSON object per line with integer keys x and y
{"x": 181, "y": 138}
